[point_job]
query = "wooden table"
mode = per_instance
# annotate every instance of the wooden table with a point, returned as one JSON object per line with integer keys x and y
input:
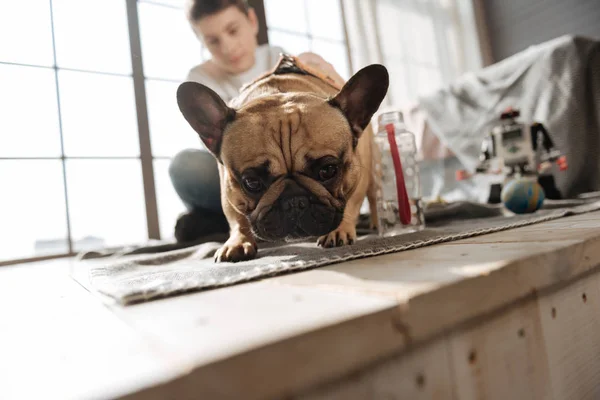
{"x": 511, "y": 315}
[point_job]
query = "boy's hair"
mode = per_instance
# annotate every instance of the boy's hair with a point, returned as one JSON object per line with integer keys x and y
{"x": 202, "y": 8}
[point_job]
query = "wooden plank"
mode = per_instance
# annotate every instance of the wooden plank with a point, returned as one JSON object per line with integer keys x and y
{"x": 57, "y": 342}
{"x": 499, "y": 357}
{"x": 537, "y": 348}
{"x": 420, "y": 374}
{"x": 571, "y": 332}
{"x": 446, "y": 284}
{"x": 320, "y": 325}
{"x": 229, "y": 331}
{"x": 496, "y": 285}
{"x": 573, "y": 228}
{"x": 524, "y": 350}
{"x": 434, "y": 289}
{"x": 208, "y": 326}
{"x": 503, "y": 358}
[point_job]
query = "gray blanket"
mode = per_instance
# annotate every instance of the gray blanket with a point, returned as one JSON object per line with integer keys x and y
{"x": 133, "y": 278}
{"x": 556, "y": 83}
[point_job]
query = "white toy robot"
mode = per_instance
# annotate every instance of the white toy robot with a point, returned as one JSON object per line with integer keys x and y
{"x": 511, "y": 150}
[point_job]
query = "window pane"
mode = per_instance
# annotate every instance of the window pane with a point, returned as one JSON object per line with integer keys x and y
{"x": 325, "y": 19}
{"x": 32, "y": 209}
{"x": 419, "y": 34}
{"x": 98, "y": 115}
{"x": 26, "y": 32}
{"x": 334, "y": 53}
{"x": 169, "y": 46}
{"x": 390, "y": 19}
{"x": 92, "y": 35}
{"x": 291, "y": 43}
{"x": 30, "y": 129}
{"x": 426, "y": 79}
{"x": 169, "y": 204}
{"x": 106, "y": 202}
{"x": 171, "y": 3}
{"x": 398, "y": 79}
{"x": 289, "y": 15}
{"x": 169, "y": 131}
{"x": 407, "y": 31}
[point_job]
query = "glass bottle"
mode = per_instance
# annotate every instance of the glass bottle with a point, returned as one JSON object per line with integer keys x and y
{"x": 399, "y": 203}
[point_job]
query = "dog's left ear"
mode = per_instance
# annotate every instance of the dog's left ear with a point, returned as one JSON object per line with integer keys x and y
{"x": 206, "y": 112}
{"x": 362, "y": 95}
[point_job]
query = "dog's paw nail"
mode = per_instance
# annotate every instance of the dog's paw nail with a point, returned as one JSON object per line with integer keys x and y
{"x": 236, "y": 251}
{"x": 249, "y": 249}
{"x": 338, "y": 238}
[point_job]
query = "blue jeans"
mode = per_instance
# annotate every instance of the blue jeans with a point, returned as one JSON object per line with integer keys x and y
{"x": 195, "y": 177}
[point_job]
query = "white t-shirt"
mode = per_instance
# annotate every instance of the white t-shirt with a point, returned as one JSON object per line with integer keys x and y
{"x": 227, "y": 85}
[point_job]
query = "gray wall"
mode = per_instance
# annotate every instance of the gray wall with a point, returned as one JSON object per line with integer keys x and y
{"x": 514, "y": 25}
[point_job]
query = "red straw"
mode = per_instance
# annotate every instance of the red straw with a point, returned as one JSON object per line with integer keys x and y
{"x": 403, "y": 204}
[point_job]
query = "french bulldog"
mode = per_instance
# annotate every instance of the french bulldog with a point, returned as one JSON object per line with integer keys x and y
{"x": 294, "y": 156}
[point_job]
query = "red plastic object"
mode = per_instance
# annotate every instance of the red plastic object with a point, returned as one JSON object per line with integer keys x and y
{"x": 403, "y": 204}
{"x": 461, "y": 175}
{"x": 510, "y": 113}
{"x": 562, "y": 163}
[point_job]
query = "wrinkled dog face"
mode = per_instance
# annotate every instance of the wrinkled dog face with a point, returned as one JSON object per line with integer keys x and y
{"x": 289, "y": 161}
{"x": 290, "y": 166}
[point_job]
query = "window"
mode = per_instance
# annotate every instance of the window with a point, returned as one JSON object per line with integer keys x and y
{"x": 168, "y": 53}
{"x": 299, "y": 26}
{"x": 433, "y": 44}
{"x": 61, "y": 170}
{"x": 92, "y": 120}
{"x": 71, "y": 170}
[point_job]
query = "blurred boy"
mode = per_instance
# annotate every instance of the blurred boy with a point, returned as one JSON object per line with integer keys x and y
{"x": 228, "y": 29}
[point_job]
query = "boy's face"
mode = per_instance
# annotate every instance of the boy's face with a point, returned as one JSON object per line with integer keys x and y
{"x": 230, "y": 36}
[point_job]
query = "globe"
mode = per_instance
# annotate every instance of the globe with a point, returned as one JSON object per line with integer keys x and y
{"x": 522, "y": 196}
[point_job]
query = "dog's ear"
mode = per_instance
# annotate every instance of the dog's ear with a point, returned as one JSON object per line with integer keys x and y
{"x": 362, "y": 95}
{"x": 206, "y": 112}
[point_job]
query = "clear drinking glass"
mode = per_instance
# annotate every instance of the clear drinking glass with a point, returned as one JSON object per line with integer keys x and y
{"x": 399, "y": 200}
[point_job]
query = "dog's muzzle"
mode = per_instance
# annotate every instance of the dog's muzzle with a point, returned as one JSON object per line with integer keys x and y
{"x": 297, "y": 214}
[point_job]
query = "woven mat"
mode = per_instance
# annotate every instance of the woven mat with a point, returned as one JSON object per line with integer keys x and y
{"x": 130, "y": 279}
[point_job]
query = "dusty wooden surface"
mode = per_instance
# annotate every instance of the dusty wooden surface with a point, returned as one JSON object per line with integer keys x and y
{"x": 497, "y": 316}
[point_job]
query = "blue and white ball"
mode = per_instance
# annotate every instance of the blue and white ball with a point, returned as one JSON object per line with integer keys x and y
{"x": 522, "y": 196}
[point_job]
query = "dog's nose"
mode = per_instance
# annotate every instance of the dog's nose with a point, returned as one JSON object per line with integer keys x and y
{"x": 297, "y": 202}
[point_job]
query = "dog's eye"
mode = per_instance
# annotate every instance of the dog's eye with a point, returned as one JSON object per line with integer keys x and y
{"x": 327, "y": 172}
{"x": 252, "y": 185}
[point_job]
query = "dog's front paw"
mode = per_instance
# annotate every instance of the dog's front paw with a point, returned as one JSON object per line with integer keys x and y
{"x": 343, "y": 235}
{"x": 237, "y": 248}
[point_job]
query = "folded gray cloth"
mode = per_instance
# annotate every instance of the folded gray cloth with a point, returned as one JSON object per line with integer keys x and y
{"x": 435, "y": 213}
{"x": 134, "y": 278}
{"x": 556, "y": 83}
